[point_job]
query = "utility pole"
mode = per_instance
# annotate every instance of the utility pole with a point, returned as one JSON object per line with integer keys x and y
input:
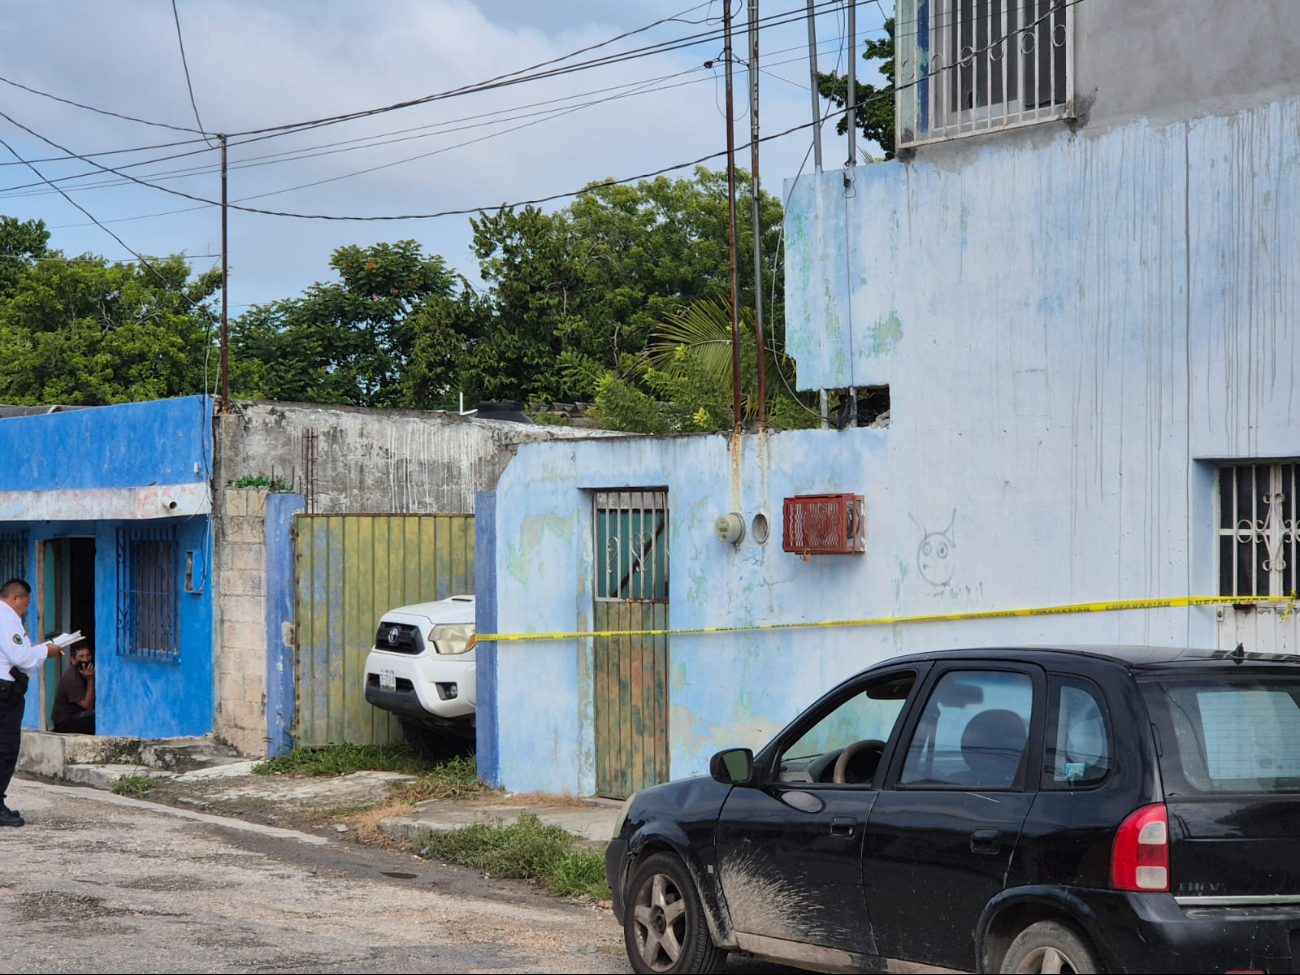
{"x": 731, "y": 217}
{"x": 757, "y": 190}
{"x": 225, "y": 292}
{"x": 816, "y": 98}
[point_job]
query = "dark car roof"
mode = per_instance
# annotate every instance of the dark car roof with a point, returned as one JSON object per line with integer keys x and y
{"x": 1135, "y": 658}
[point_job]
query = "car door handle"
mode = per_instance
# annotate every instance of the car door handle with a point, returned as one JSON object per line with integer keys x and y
{"x": 843, "y": 826}
{"x": 986, "y": 841}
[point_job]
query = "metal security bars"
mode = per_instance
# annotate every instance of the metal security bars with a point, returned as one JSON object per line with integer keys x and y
{"x": 632, "y": 545}
{"x": 148, "y": 593}
{"x": 13, "y": 556}
{"x": 969, "y": 66}
{"x": 1259, "y": 554}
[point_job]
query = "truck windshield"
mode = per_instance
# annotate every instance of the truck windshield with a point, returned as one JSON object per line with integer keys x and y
{"x": 1227, "y": 735}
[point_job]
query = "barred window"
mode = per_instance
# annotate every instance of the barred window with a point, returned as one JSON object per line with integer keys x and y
{"x": 13, "y": 556}
{"x": 147, "y": 592}
{"x": 1258, "y": 550}
{"x": 970, "y": 66}
{"x": 632, "y": 545}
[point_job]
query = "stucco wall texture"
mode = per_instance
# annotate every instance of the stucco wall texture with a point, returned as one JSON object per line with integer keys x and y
{"x": 371, "y": 461}
{"x": 1073, "y": 337}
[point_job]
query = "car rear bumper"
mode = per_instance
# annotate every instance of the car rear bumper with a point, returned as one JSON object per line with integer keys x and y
{"x": 615, "y": 868}
{"x": 1154, "y": 933}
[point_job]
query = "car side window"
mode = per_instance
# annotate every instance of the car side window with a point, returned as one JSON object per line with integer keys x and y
{"x": 972, "y": 733}
{"x": 844, "y": 746}
{"x": 1077, "y": 752}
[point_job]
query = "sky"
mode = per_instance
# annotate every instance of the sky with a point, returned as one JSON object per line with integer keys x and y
{"x": 254, "y": 65}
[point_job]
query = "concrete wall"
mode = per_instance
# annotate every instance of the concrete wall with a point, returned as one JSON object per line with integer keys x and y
{"x": 1072, "y": 336}
{"x": 389, "y": 461}
{"x": 241, "y": 636}
{"x": 1169, "y": 61}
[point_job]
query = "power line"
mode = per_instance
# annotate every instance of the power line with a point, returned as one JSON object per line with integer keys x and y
{"x": 186, "y": 65}
{"x": 378, "y": 140}
{"x": 99, "y": 111}
{"x": 555, "y": 196}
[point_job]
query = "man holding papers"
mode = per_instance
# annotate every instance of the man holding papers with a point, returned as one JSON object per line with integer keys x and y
{"x": 19, "y": 659}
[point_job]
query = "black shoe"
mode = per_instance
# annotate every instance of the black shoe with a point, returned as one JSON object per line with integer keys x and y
{"x": 6, "y": 811}
{"x": 10, "y": 818}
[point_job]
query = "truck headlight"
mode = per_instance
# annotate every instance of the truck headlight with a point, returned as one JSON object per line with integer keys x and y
{"x": 451, "y": 638}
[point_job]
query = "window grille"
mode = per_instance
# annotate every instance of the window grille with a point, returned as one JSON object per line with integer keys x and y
{"x": 971, "y": 66}
{"x": 1258, "y": 550}
{"x": 632, "y": 545}
{"x": 13, "y": 556}
{"x": 147, "y": 592}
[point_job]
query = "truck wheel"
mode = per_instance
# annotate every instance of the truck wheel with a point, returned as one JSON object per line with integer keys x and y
{"x": 663, "y": 925}
{"x": 430, "y": 745}
{"x": 1050, "y": 946}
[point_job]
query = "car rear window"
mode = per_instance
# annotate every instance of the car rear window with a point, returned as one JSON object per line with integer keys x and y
{"x": 1227, "y": 735}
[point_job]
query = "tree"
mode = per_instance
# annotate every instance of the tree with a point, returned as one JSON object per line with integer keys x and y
{"x": 875, "y": 105}
{"x": 22, "y": 242}
{"x": 82, "y": 331}
{"x": 685, "y": 383}
{"x": 575, "y": 293}
{"x": 346, "y": 341}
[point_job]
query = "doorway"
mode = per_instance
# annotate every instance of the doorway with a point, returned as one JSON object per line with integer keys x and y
{"x": 66, "y": 569}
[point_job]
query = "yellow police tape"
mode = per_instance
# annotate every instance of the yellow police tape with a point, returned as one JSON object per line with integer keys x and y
{"x": 1108, "y": 607}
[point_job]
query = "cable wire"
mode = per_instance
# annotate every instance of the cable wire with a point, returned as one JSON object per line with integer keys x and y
{"x": 180, "y": 41}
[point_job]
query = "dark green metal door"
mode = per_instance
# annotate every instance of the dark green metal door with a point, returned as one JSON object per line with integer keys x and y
{"x": 631, "y": 672}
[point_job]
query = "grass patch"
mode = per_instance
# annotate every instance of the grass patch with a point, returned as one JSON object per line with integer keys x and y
{"x": 340, "y": 759}
{"x": 132, "y": 785}
{"x": 526, "y": 849}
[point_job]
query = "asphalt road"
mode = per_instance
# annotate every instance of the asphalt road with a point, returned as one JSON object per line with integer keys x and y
{"x": 102, "y": 883}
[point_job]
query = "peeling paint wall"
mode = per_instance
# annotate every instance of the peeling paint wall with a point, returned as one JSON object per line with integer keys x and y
{"x": 1074, "y": 329}
{"x": 372, "y": 461}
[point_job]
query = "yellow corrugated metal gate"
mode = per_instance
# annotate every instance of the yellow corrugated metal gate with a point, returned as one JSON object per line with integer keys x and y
{"x": 349, "y": 571}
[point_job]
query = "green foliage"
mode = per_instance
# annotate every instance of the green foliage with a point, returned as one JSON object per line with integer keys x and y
{"x": 274, "y": 484}
{"x": 85, "y": 332}
{"x": 526, "y": 849}
{"x": 875, "y": 111}
{"x": 584, "y": 288}
{"x": 132, "y": 785}
{"x": 345, "y": 341}
{"x": 342, "y": 758}
{"x": 683, "y": 383}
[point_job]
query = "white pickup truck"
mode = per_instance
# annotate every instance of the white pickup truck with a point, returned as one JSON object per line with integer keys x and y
{"x": 422, "y": 669}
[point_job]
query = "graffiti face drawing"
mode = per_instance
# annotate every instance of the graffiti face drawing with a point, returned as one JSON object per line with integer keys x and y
{"x": 934, "y": 555}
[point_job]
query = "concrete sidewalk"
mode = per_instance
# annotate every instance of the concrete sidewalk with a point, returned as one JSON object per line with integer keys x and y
{"x": 591, "y": 820}
{"x": 218, "y": 776}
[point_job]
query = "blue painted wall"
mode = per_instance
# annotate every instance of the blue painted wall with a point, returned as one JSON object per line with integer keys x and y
{"x": 130, "y": 445}
{"x": 280, "y": 572}
{"x": 137, "y": 696}
{"x": 1074, "y": 331}
{"x": 100, "y": 468}
{"x": 487, "y": 716}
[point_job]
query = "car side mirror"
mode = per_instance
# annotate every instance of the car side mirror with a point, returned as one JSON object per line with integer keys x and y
{"x": 733, "y": 766}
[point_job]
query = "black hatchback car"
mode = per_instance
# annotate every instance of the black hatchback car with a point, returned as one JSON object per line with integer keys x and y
{"x": 1099, "y": 809}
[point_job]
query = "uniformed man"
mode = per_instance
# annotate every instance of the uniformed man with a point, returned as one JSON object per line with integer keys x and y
{"x": 18, "y": 661}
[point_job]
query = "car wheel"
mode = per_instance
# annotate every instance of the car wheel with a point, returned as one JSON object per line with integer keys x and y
{"x": 432, "y": 746}
{"x": 1050, "y": 946}
{"x": 663, "y": 926}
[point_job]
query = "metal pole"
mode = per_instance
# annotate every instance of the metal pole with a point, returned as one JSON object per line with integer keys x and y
{"x": 816, "y": 98}
{"x": 757, "y": 191}
{"x": 852, "y": 101}
{"x": 731, "y": 216}
{"x": 225, "y": 292}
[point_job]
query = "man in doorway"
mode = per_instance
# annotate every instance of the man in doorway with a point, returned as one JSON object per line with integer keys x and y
{"x": 19, "y": 659}
{"x": 74, "y": 698}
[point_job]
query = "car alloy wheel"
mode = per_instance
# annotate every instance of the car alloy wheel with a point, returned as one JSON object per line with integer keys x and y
{"x": 1049, "y": 948}
{"x": 664, "y": 926}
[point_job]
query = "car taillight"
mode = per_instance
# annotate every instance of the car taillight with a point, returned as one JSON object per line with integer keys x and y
{"x": 1139, "y": 860}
